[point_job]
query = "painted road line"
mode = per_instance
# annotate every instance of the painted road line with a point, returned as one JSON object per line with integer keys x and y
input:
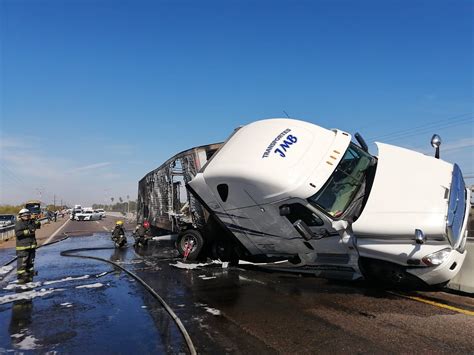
{"x": 105, "y": 228}
{"x": 97, "y": 222}
{"x": 55, "y": 233}
{"x": 436, "y": 304}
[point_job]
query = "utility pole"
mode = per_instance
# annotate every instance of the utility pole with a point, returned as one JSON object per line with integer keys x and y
{"x": 54, "y": 201}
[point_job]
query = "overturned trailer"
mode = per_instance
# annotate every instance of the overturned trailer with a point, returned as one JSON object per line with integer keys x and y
{"x": 164, "y": 201}
{"x": 162, "y": 197}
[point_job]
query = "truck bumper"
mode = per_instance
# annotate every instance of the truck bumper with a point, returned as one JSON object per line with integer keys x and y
{"x": 442, "y": 273}
{"x": 447, "y": 270}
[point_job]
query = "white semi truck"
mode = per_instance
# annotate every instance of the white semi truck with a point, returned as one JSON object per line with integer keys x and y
{"x": 288, "y": 189}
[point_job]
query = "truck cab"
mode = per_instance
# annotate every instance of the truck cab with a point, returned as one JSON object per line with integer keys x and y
{"x": 290, "y": 189}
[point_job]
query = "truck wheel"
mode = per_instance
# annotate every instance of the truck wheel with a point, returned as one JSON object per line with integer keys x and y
{"x": 387, "y": 274}
{"x": 187, "y": 237}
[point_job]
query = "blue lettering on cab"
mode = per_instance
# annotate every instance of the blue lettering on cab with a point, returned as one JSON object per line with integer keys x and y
{"x": 287, "y": 143}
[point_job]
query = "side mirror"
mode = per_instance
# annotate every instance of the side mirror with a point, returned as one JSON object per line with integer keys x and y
{"x": 435, "y": 143}
{"x": 362, "y": 142}
{"x": 285, "y": 210}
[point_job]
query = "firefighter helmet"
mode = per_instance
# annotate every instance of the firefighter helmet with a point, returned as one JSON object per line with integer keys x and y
{"x": 119, "y": 223}
{"x": 24, "y": 212}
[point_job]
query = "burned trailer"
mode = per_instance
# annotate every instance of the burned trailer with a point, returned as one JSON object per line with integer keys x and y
{"x": 165, "y": 202}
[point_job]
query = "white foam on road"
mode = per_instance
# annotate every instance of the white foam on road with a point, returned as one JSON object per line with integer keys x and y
{"x": 28, "y": 295}
{"x": 243, "y": 262}
{"x": 101, "y": 274}
{"x": 66, "y": 304}
{"x": 181, "y": 265}
{"x": 95, "y": 285}
{"x": 14, "y": 285}
{"x": 29, "y": 343}
{"x": 69, "y": 278}
{"x": 26, "y": 286}
{"x": 213, "y": 311}
{"x": 6, "y": 269}
{"x": 204, "y": 277}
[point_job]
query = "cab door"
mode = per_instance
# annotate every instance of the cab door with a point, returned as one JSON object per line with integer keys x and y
{"x": 317, "y": 230}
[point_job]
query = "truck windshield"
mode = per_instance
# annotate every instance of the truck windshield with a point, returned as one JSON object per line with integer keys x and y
{"x": 339, "y": 191}
{"x": 33, "y": 208}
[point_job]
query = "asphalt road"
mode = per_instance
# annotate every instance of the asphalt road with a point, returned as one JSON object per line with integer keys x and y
{"x": 85, "y": 306}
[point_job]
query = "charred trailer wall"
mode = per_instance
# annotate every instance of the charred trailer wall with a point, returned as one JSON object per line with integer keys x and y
{"x": 163, "y": 199}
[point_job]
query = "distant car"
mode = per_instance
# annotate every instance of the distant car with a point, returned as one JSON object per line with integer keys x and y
{"x": 7, "y": 220}
{"x": 101, "y": 211}
{"x": 74, "y": 212}
{"x": 87, "y": 216}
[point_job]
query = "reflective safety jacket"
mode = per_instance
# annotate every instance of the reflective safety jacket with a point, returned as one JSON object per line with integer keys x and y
{"x": 118, "y": 230}
{"x": 141, "y": 231}
{"x": 25, "y": 232}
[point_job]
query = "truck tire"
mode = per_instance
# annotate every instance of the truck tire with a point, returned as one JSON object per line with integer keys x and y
{"x": 188, "y": 236}
{"x": 389, "y": 275}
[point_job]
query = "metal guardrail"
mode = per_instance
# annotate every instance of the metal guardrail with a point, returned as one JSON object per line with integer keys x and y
{"x": 131, "y": 216}
{"x": 9, "y": 232}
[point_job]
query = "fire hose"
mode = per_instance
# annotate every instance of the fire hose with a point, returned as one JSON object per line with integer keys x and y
{"x": 71, "y": 253}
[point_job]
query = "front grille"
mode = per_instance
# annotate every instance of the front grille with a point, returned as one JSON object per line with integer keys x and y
{"x": 456, "y": 207}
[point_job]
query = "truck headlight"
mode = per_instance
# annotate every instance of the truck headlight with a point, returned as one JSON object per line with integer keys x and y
{"x": 437, "y": 258}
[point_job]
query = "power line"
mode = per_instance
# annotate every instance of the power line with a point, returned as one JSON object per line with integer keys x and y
{"x": 458, "y": 119}
{"x": 16, "y": 179}
{"x": 11, "y": 173}
{"x": 8, "y": 175}
{"x": 428, "y": 129}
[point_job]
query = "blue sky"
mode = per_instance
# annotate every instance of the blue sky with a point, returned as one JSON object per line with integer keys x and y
{"x": 97, "y": 93}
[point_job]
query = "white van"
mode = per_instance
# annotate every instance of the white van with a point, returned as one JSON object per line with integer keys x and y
{"x": 290, "y": 189}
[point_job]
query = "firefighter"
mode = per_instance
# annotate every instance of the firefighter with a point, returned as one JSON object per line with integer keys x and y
{"x": 142, "y": 234}
{"x": 25, "y": 232}
{"x": 118, "y": 234}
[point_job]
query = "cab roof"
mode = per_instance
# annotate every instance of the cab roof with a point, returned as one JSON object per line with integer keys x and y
{"x": 276, "y": 157}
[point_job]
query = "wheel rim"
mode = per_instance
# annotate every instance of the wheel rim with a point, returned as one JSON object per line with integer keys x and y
{"x": 186, "y": 240}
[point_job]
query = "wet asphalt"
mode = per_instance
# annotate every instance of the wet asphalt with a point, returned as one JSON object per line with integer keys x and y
{"x": 86, "y": 306}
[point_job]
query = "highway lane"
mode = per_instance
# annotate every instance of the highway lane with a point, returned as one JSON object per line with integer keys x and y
{"x": 226, "y": 310}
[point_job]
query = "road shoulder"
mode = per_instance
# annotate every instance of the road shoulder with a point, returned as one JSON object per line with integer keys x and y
{"x": 42, "y": 235}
